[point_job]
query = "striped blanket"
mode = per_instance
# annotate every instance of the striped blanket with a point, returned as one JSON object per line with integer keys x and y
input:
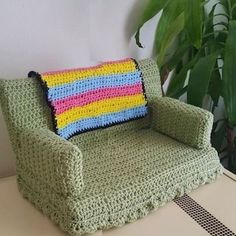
{"x": 84, "y": 99}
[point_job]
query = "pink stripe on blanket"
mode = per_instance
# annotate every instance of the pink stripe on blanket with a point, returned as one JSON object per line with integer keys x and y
{"x": 95, "y": 95}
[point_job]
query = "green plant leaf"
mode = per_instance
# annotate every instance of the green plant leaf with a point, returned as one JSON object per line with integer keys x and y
{"x": 199, "y": 79}
{"x": 177, "y": 80}
{"x": 151, "y": 9}
{"x": 175, "y": 28}
{"x": 178, "y": 55}
{"x": 193, "y": 21}
{"x": 170, "y": 25}
{"x": 218, "y": 134}
{"x": 181, "y": 92}
{"x": 215, "y": 85}
{"x": 233, "y": 10}
{"x": 177, "y": 83}
{"x": 229, "y": 74}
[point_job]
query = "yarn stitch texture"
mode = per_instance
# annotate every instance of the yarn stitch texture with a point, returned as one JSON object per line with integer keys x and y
{"x": 89, "y": 98}
{"x": 108, "y": 177}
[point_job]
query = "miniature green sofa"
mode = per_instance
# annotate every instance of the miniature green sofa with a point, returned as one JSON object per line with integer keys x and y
{"x": 111, "y": 176}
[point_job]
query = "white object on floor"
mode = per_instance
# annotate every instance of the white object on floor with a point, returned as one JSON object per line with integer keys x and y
{"x": 19, "y": 218}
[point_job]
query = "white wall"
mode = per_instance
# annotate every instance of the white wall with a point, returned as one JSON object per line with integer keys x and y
{"x": 56, "y": 34}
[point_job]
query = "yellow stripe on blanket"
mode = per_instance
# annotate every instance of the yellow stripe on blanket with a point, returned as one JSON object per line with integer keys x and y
{"x": 100, "y": 107}
{"x": 56, "y": 79}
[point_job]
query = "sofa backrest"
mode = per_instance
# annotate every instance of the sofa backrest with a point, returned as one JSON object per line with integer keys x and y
{"x": 24, "y": 103}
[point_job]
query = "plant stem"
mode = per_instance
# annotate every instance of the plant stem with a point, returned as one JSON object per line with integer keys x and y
{"x": 221, "y": 23}
{"x": 223, "y": 14}
{"x": 216, "y": 31}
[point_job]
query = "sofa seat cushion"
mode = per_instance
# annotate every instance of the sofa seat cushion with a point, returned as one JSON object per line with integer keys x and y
{"x": 127, "y": 174}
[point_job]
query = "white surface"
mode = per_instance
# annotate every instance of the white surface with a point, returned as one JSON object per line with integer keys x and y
{"x": 19, "y": 218}
{"x": 56, "y": 34}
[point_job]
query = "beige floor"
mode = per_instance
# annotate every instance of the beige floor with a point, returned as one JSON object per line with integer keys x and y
{"x": 20, "y": 218}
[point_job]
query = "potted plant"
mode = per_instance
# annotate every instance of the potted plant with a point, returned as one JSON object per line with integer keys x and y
{"x": 195, "y": 48}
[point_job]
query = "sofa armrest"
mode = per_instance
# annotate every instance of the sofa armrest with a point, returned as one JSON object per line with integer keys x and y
{"x": 186, "y": 123}
{"x": 52, "y": 160}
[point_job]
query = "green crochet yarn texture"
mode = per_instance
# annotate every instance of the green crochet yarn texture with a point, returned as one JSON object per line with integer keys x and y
{"x": 108, "y": 177}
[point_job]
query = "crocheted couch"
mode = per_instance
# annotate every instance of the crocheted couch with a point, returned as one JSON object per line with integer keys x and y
{"x": 111, "y": 176}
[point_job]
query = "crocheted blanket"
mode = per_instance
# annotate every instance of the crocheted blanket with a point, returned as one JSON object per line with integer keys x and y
{"x": 84, "y": 99}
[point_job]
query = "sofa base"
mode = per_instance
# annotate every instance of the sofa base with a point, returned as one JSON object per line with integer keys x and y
{"x": 74, "y": 227}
